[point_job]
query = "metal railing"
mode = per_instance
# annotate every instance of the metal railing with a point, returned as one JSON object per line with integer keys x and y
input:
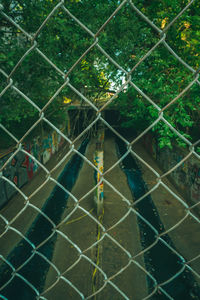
{"x": 102, "y": 232}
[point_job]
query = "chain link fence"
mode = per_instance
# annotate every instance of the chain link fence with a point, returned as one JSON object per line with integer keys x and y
{"x": 53, "y": 225}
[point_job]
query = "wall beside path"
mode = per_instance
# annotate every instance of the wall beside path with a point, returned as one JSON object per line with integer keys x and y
{"x": 22, "y": 168}
{"x": 186, "y": 177}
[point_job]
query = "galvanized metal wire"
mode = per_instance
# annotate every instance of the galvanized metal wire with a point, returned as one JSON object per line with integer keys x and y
{"x": 105, "y": 232}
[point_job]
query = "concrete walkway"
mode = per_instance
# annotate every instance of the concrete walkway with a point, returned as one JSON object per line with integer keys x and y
{"x": 84, "y": 232}
{"x": 16, "y": 205}
{"x": 183, "y": 230}
{"x": 80, "y": 228}
{"x": 132, "y": 280}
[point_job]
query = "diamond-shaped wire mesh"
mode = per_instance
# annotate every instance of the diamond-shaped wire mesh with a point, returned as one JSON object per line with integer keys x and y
{"x": 68, "y": 250}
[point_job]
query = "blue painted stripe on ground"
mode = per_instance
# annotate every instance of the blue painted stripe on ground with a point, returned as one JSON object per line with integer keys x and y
{"x": 160, "y": 261}
{"x": 36, "y": 269}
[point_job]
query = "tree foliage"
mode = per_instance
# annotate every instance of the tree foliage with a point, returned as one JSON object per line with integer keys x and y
{"x": 126, "y": 39}
{"x": 162, "y": 77}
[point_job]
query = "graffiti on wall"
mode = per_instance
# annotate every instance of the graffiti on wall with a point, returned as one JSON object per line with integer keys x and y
{"x": 22, "y": 167}
{"x": 186, "y": 176}
{"x": 47, "y": 148}
{"x": 16, "y": 172}
{"x": 29, "y": 162}
{"x": 195, "y": 183}
{"x": 150, "y": 143}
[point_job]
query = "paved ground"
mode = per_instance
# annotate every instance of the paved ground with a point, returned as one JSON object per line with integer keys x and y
{"x": 186, "y": 235}
{"x": 132, "y": 280}
{"x": 84, "y": 231}
{"x": 17, "y": 203}
{"x": 80, "y": 229}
